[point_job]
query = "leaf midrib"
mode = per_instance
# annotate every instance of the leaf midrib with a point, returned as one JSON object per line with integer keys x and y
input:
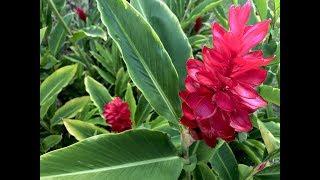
{"x": 127, "y": 165}
{"x": 144, "y": 65}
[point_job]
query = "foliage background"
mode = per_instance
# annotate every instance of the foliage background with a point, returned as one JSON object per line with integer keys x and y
{"x": 82, "y": 68}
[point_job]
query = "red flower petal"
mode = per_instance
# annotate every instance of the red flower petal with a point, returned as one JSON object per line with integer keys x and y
{"x": 254, "y": 34}
{"x": 224, "y": 101}
{"x": 245, "y": 91}
{"x": 210, "y": 140}
{"x": 240, "y": 121}
{"x": 201, "y": 105}
{"x": 253, "y": 77}
{"x": 254, "y": 103}
{"x": 193, "y": 67}
{"x": 238, "y": 17}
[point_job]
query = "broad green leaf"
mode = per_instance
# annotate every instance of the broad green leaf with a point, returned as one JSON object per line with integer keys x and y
{"x": 60, "y": 4}
{"x": 54, "y": 83}
{"x": 69, "y": 109}
{"x": 82, "y": 130}
{"x": 202, "y": 8}
{"x": 269, "y": 140}
{"x": 98, "y": 93}
{"x": 58, "y": 35}
{"x": 97, "y": 121}
{"x": 50, "y": 142}
{"x": 91, "y": 32}
{"x": 107, "y": 76}
{"x": 224, "y": 162}
{"x": 42, "y": 33}
{"x": 143, "y": 111}
{"x": 203, "y": 172}
{"x": 202, "y": 151}
{"x": 168, "y": 28}
{"x": 270, "y": 94}
{"x": 244, "y": 172}
{"x": 148, "y": 63}
{"x": 268, "y": 173}
{"x": 262, "y": 7}
{"x": 276, "y": 9}
{"x": 139, "y": 154}
{"x": 129, "y": 98}
{"x": 45, "y": 107}
{"x": 122, "y": 79}
{"x": 162, "y": 124}
{"x": 274, "y": 128}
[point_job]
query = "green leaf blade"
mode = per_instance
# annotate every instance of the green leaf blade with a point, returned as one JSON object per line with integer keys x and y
{"x": 115, "y": 157}
{"x": 148, "y": 63}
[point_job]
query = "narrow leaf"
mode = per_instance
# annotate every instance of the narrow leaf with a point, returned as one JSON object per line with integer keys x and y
{"x": 54, "y": 83}
{"x": 69, "y": 109}
{"x": 82, "y": 130}
{"x": 98, "y": 93}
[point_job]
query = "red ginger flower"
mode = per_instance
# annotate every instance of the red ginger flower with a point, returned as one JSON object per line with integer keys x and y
{"x": 117, "y": 114}
{"x": 82, "y": 15}
{"x": 220, "y": 91}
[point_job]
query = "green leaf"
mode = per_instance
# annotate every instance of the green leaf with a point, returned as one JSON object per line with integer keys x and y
{"x": 276, "y": 9}
{"x": 148, "y": 63}
{"x": 89, "y": 32}
{"x": 270, "y": 94}
{"x": 198, "y": 40}
{"x": 253, "y": 148}
{"x": 75, "y": 59}
{"x": 42, "y": 33}
{"x": 129, "y": 98}
{"x": 98, "y": 93}
{"x": 168, "y": 28}
{"x": 50, "y": 142}
{"x": 262, "y": 8}
{"x": 122, "y": 79}
{"x": 244, "y": 172}
{"x": 202, "y": 8}
{"x": 106, "y": 63}
{"x": 58, "y": 35}
{"x": 69, "y": 110}
{"x": 269, "y": 140}
{"x": 97, "y": 121}
{"x": 54, "y": 83}
{"x": 225, "y": 163}
{"x": 82, "y": 130}
{"x": 274, "y": 128}
{"x": 45, "y": 107}
{"x": 268, "y": 173}
{"x": 162, "y": 124}
{"x": 107, "y": 76}
{"x": 139, "y": 154}
{"x": 202, "y": 151}
{"x": 143, "y": 111}
{"x": 59, "y": 4}
{"x": 203, "y": 172}
{"x": 48, "y": 61}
